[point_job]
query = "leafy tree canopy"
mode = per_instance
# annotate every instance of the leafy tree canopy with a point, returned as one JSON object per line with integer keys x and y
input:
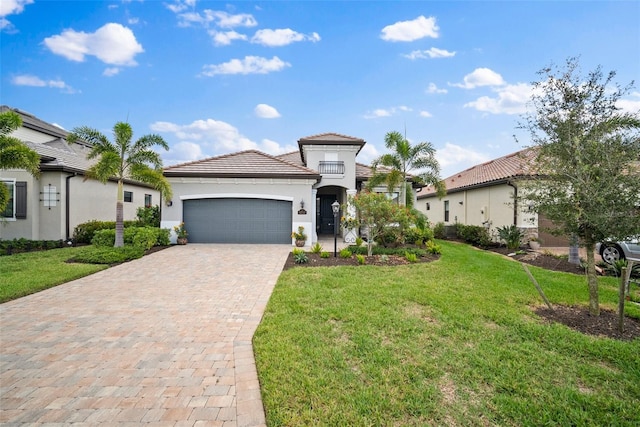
{"x": 14, "y": 154}
{"x": 588, "y": 153}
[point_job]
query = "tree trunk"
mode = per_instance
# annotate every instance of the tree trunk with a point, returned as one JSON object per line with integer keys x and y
{"x": 120, "y": 217}
{"x": 592, "y": 281}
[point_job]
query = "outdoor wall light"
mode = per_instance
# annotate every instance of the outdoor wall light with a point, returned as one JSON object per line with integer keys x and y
{"x": 461, "y": 202}
{"x": 301, "y": 203}
{"x": 169, "y": 202}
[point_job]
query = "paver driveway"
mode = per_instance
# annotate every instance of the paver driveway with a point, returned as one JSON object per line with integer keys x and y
{"x": 164, "y": 340}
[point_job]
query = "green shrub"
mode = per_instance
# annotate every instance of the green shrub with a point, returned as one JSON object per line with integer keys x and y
{"x": 361, "y": 259}
{"x": 163, "y": 237}
{"x": 148, "y": 216}
{"x": 316, "y": 248}
{"x": 433, "y": 248}
{"x": 144, "y": 237}
{"x": 324, "y": 254}
{"x": 300, "y": 258}
{"x": 296, "y": 251}
{"x": 411, "y": 257}
{"x": 108, "y": 255}
{"x": 359, "y": 241}
{"x": 511, "y": 235}
{"x": 104, "y": 238}
{"x": 345, "y": 253}
{"x": 439, "y": 231}
{"x": 83, "y": 233}
{"x": 473, "y": 234}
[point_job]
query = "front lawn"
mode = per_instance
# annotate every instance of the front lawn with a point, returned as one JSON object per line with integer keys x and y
{"x": 450, "y": 342}
{"x": 25, "y": 273}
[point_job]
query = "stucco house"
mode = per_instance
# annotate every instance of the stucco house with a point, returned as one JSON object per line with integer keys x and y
{"x": 485, "y": 195}
{"x": 51, "y": 206}
{"x": 253, "y": 197}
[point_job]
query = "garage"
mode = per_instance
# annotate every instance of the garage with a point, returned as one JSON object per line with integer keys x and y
{"x": 238, "y": 220}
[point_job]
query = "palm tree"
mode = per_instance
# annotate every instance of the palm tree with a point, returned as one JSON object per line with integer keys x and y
{"x": 14, "y": 154}
{"x": 405, "y": 157}
{"x": 124, "y": 159}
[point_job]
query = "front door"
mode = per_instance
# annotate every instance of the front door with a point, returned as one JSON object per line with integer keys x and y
{"x": 325, "y": 214}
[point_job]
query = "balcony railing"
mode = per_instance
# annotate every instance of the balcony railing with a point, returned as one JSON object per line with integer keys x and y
{"x": 336, "y": 167}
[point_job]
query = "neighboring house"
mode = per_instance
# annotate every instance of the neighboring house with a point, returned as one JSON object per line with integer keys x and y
{"x": 485, "y": 195}
{"x": 51, "y": 206}
{"x": 253, "y": 197}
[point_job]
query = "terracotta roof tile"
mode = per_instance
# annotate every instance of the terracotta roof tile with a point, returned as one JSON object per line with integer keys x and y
{"x": 331, "y": 137}
{"x": 509, "y": 166}
{"x": 246, "y": 164}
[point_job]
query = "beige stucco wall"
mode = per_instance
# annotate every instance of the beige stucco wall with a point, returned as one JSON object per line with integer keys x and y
{"x": 493, "y": 205}
{"x": 314, "y": 154}
{"x": 89, "y": 200}
{"x": 295, "y": 190}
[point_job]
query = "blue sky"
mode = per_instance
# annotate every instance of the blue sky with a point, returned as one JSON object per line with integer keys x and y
{"x": 218, "y": 77}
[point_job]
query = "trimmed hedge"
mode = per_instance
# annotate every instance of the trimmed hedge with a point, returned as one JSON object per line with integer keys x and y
{"x": 84, "y": 232}
{"x": 139, "y": 237}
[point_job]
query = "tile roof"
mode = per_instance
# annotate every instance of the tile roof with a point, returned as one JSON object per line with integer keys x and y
{"x": 30, "y": 121}
{"x": 363, "y": 172}
{"x": 59, "y": 155}
{"x": 330, "y": 137}
{"x": 494, "y": 171}
{"x": 243, "y": 164}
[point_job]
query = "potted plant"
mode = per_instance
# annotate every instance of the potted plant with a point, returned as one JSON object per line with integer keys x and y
{"x": 182, "y": 234}
{"x": 349, "y": 225}
{"x": 299, "y": 236}
{"x": 534, "y": 243}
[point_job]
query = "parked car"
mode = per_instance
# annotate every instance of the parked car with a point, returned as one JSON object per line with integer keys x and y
{"x": 613, "y": 251}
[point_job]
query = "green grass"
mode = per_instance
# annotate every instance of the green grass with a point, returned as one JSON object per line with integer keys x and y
{"x": 452, "y": 342}
{"x": 27, "y": 273}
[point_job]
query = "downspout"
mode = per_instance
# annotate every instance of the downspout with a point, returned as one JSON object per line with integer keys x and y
{"x": 67, "y": 205}
{"x": 515, "y": 202}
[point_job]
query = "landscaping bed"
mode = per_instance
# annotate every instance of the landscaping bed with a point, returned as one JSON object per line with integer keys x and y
{"x": 381, "y": 260}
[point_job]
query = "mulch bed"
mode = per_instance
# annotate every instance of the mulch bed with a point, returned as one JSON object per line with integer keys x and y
{"x": 577, "y": 318}
{"x": 389, "y": 260}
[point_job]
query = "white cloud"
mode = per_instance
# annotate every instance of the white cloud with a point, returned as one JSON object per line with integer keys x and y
{"x": 273, "y": 147}
{"x": 630, "y": 105}
{"x": 35, "y": 81}
{"x": 215, "y": 135}
{"x": 282, "y": 37}
{"x": 510, "y": 99}
{"x": 425, "y": 114}
{"x": 435, "y": 89}
{"x": 112, "y": 44}
{"x": 224, "y": 38}
{"x": 265, "y": 111}
{"x": 133, "y": 21}
{"x": 204, "y": 138}
{"x": 455, "y": 158}
{"x": 382, "y": 112}
{"x": 368, "y": 153}
{"x": 248, "y": 65}
{"x": 11, "y": 7}
{"x": 181, "y": 5}
{"x": 434, "y": 52}
{"x": 218, "y": 18}
{"x": 407, "y": 31}
{"x": 480, "y": 77}
{"x": 111, "y": 71}
{"x": 182, "y": 152}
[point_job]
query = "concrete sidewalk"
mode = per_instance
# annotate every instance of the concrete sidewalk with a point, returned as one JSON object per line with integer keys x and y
{"x": 164, "y": 340}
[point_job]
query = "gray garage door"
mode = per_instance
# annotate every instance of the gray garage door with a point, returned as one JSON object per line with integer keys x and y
{"x": 238, "y": 221}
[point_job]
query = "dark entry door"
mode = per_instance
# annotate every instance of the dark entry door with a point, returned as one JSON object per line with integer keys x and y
{"x": 325, "y": 214}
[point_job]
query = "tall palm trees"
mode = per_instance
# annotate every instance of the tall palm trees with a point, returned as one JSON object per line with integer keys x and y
{"x": 403, "y": 158}
{"x": 123, "y": 159}
{"x": 14, "y": 154}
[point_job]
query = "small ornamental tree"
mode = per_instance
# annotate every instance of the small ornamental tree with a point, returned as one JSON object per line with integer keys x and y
{"x": 403, "y": 158}
{"x": 123, "y": 159}
{"x": 588, "y": 159}
{"x": 379, "y": 214}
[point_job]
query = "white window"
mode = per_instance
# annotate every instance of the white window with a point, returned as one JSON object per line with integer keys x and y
{"x": 9, "y": 212}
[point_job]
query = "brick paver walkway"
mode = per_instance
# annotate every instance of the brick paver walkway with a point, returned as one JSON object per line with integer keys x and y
{"x": 164, "y": 340}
